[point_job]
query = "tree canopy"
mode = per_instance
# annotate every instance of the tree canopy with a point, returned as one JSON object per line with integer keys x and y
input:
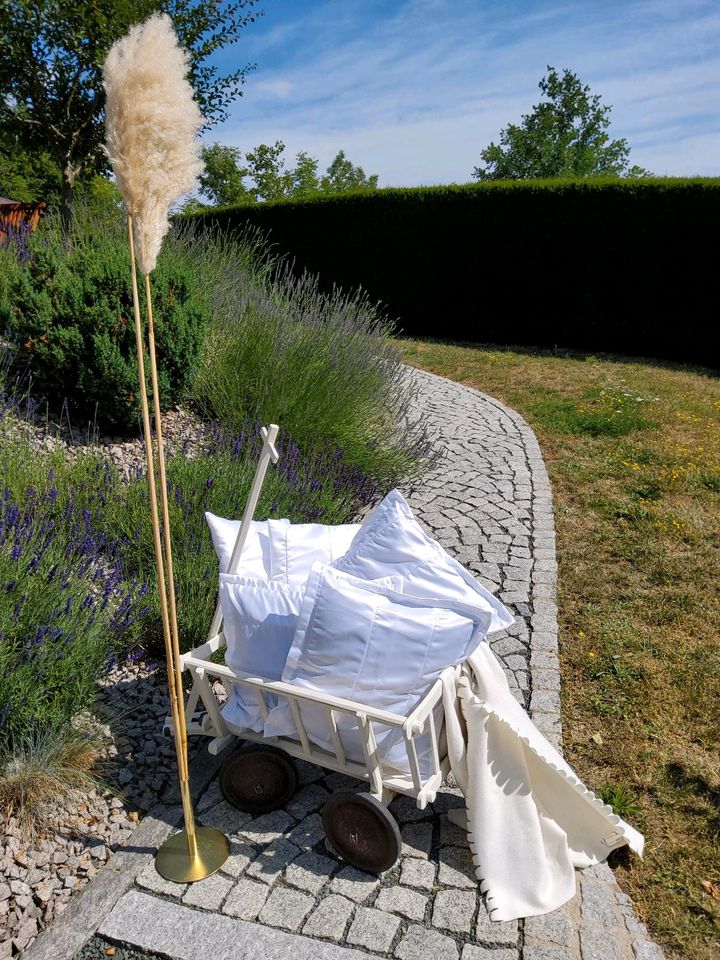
{"x": 51, "y": 95}
{"x": 259, "y": 175}
{"x": 565, "y": 135}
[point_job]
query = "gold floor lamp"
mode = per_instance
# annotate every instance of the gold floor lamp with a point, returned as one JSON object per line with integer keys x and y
{"x": 151, "y": 125}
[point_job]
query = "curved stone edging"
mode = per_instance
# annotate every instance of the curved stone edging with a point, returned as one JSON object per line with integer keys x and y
{"x": 480, "y": 435}
{"x": 490, "y": 503}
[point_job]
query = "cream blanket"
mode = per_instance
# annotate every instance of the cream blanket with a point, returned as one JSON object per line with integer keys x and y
{"x": 530, "y": 820}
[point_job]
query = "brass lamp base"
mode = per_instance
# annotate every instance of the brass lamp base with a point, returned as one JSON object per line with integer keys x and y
{"x": 174, "y": 861}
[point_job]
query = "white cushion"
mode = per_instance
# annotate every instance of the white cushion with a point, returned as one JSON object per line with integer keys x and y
{"x": 255, "y": 558}
{"x": 364, "y": 641}
{"x": 294, "y": 547}
{"x": 391, "y": 542}
{"x": 278, "y": 549}
{"x": 259, "y": 621}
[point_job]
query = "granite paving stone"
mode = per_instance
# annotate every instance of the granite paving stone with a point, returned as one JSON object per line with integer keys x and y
{"x": 266, "y": 828}
{"x": 416, "y": 840}
{"x": 407, "y": 903}
{"x": 496, "y": 932}
{"x": 330, "y": 918}
{"x": 600, "y": 942}
{"x": 421, "y": 943}
{"x": 286, "y": 908}
{"x": 273, "y": 860}
{"x": 473, "y": 952}
{"x": 246, "y": 899}
{"x": 150, "y": 879}
{"x": 310, "y": 872}
{"x": 456, "y": 868}
{"x": 308, "y": 833}
{"x": 354, "y": 884}
{"x": 210, "y": 893}
{"x": 373, "y": 929}
{"x": 453, "y": 910}
{"x": 226, "y": 818}
{"x": 418, "y": 873}
{"x": 555, "y": 927}
{"x": 241, "y": 856}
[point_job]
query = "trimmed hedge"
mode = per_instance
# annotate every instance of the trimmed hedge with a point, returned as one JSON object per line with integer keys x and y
{"x": 619, "y": 266}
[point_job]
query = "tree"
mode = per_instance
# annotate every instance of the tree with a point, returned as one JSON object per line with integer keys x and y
{"x": 224, "y": 181}
{"x": 342, "y": 176}
{"x": 51, "y": 56}
{"x": 566, "y": 135}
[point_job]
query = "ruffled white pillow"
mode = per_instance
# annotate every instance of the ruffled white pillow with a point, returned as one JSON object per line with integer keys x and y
{"x": 392, "y": 543}
{"x": 366, "y": 642}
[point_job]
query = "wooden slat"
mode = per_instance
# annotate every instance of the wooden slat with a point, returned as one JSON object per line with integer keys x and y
{"x": 299, "y": 726}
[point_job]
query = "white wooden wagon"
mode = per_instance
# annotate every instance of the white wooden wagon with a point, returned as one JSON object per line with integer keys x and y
{"x": 257, "y": 779}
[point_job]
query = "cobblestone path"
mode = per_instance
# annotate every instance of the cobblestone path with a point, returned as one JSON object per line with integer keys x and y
{"x": 489, "y": 503}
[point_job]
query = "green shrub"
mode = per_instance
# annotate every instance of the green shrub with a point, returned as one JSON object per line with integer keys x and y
{"x": 67, "y": 311}
{"x": 622, "y": 266}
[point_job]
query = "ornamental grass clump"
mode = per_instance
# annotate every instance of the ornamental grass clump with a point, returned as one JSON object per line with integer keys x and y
{"x": 46, "y": 766}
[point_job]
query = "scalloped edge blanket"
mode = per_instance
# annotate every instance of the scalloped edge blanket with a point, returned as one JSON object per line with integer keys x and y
{"x": 530, "y": 820}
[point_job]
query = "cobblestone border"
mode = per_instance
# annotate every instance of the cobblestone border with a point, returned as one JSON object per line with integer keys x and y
{"x": 600, "y": 923}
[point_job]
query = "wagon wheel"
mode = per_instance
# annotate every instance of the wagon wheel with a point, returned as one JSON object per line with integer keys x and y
{"x": 258, "y": 780}
{"x": 362, "y": 831}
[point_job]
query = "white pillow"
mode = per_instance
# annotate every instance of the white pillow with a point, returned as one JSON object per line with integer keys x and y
{"x": 255, "y": 558}
{"x": 294, "y": 547}
{"x": 278, "y": 549}
{"x": 364, "y": 641}
{"x": 391, "y": 542}
{"x": 259, "y": 621}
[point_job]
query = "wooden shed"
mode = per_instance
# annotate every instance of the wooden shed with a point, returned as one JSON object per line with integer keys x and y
{"x": 14, "y": 216}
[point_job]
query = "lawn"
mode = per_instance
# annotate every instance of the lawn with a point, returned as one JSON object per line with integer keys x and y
{"x": 633, "y": 451}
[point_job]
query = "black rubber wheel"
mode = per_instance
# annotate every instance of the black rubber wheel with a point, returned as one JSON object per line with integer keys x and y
{"x": 362, "y": 831}
{"x": 258, "y": 780}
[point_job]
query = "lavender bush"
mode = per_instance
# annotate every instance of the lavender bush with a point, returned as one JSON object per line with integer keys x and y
{"x": 278, "y": 349}
{"x": 66, "y": 599}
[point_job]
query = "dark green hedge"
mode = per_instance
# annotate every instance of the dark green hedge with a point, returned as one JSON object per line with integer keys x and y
{"x": 626, "y": 267}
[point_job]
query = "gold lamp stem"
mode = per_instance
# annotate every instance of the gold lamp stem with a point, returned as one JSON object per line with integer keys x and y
{"x": 195, "y": 852}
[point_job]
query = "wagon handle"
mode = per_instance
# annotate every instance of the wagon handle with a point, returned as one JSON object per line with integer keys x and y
{"x": 268, "y": 454}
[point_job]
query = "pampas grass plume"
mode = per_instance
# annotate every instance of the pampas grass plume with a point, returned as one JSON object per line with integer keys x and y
{"x": 151, "y": 127}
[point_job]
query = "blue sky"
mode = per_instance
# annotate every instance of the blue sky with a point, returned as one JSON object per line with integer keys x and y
{"x": 414, "y": 89}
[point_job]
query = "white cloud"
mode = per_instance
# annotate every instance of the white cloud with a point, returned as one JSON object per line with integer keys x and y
{"x": 414, "y": 96}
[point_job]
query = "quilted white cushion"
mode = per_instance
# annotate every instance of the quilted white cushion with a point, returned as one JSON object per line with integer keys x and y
{"x": 391, "y": 542}
{"x": 259, "y": 621}
{"x": 294, "y": 547}
{"x": 364, "y": 641}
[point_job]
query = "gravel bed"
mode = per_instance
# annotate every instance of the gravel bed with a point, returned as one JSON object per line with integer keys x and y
{"x": 38, "y": 877}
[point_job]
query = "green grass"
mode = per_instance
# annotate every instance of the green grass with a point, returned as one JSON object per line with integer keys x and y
{"x": 633, "y": 451}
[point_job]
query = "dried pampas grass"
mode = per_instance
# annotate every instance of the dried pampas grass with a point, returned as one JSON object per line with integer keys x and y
{"x": 151, "y": 126}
